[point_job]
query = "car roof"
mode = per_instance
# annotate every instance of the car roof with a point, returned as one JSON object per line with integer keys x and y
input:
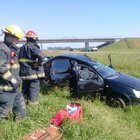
{"x": 76, "y": 56}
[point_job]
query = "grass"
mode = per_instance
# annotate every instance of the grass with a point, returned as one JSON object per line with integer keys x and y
{"x": 99, "y": 122}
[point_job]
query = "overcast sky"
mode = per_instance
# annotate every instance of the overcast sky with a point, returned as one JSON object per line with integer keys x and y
{"x": 73, "y": 18}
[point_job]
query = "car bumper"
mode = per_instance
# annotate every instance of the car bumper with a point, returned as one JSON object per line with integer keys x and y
{"x": 135, "y": 100}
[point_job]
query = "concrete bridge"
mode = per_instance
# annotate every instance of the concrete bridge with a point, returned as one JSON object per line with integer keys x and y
{"x": 80, "y": 40}
{"x": 76, "y": 40}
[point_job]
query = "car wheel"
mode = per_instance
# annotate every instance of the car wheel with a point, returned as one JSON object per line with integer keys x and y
{"x": 115, "y": 102}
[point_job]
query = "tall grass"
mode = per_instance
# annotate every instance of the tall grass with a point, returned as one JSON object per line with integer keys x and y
{"x": 99, "y": 122}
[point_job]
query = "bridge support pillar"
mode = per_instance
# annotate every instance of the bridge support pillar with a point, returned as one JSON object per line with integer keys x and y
{"x": 86, "y": 46}
{"x": 41, "y": 46}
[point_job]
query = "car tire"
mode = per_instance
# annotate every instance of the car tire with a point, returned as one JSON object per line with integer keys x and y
{"x": 100, "y": 97}
{"x": 115, "y": 102}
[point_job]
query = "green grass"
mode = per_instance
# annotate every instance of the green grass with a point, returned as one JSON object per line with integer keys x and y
{"x": 132, "y": 42}
{"x": 99, "y": 122}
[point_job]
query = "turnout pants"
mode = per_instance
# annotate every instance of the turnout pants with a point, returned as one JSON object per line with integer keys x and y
{"x": 12, "y": 101}
{"x": 30, "y": 89}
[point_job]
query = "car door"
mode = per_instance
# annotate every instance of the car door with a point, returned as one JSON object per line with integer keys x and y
{"x": 88, "y": 79}
{"x": 60, "y": 71}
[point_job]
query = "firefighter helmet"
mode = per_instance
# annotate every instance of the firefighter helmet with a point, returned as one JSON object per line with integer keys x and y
{"x": 31, "y": 34}
{"x": 14, "y": 30}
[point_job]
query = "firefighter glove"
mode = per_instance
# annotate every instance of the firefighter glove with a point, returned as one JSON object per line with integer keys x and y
{"x": 14, "y": 83}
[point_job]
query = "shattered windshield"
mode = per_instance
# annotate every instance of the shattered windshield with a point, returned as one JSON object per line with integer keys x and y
{"x": 104, "y": 71}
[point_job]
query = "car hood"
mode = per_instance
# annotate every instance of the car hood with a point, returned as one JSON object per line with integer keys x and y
{"x": 126, "y": 80}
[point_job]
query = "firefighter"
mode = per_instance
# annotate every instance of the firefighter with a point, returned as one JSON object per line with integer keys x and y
{"x": 31, "y": 69}
{"x": 11, "y": 99}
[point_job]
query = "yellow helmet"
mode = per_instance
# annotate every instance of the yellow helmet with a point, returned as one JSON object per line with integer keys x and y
{"x": 14, "y": 30}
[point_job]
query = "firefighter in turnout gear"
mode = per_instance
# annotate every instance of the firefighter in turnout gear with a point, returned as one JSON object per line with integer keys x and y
{"x": 11, "y": 99}
{"x": 31, "y": 69}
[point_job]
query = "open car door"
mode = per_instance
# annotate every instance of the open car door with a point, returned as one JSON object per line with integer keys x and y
{"x": 88, "y": 80}
{"x": 60, "y": 72}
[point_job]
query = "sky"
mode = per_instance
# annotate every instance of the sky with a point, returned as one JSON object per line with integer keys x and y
{"x": 73, "y": 18}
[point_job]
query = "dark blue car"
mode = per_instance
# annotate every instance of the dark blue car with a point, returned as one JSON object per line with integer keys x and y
{"x": 86, "y": 76}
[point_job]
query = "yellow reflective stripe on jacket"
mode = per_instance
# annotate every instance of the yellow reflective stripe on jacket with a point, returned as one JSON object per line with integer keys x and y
{"x": 6, "y": 88}
{"x": 34, "y": 76}
{"x": 30, "y": 77}
{"x": 14, "y": 66}
{"x": 25, "y": 60}
{"x": 7, "y": 75}
{"x": 40, "y": 75}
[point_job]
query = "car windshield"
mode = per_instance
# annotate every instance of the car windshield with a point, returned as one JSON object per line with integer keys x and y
{"x": 104, "y": 71}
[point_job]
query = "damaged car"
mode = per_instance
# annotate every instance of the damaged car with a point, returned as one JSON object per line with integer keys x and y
{"x": 85, "y": 76}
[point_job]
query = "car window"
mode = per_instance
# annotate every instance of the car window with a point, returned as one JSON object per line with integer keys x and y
{"x": 103, "y": 70}
{"x": 85, "y": 72}
{"x": 60, "y": 66}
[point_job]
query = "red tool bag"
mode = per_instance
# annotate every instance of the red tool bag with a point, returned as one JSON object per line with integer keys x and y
{"x": 73, "y": 111}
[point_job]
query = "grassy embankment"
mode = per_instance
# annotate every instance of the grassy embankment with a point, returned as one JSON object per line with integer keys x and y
{"x": 100, "y": 122}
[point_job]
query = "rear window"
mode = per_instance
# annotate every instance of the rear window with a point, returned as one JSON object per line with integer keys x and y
{"x": 60, "y": 65}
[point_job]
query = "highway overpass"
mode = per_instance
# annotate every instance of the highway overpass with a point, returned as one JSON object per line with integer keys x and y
{"x": 76, "y": 40}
